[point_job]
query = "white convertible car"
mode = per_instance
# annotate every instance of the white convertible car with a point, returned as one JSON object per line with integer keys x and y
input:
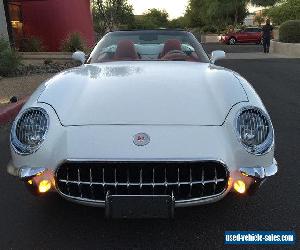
{"x": 147, "y": 123}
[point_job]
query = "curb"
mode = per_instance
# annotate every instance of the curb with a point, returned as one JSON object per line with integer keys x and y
{"x": 10, "y": 112}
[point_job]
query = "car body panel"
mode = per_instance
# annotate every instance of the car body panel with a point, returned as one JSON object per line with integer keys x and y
{"x": 115, "y": 142}
{"x": 179, "y": 86}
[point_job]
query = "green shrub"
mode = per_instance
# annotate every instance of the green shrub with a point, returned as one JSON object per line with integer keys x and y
{"x": 289, "y": 32}
{"x": 209, "y": 29}
{"x": 74, "y": 42}
{"x": 4, "y": 44}
{"x": 48, "y": 61}
{"x": 10, "y": 60}
{"x": 286, "y": 10}
{"x": 30, "y": 44}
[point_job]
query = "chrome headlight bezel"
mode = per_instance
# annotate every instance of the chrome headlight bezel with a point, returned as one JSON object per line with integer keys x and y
{"x": 21, "y": 148}
{"x": 266, "y": 146}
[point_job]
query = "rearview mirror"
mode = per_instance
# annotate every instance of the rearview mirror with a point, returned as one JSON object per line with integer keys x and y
{"x": 79, "y": 56}
{"x": 217, "y": 55}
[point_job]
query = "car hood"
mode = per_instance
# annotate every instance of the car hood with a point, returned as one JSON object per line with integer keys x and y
{"x": 152, "y": 93}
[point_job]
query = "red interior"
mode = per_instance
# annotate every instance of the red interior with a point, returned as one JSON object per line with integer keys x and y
{"x": 126, "y": 51}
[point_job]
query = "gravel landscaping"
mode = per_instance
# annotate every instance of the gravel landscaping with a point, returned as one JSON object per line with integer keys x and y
{"x": 49, "y": 68}
{"x": 27, "y": 78}
{"x": 20, "y": 86}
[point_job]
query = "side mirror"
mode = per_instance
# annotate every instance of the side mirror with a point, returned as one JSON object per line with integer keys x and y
{"x": 217, "y": 55}
{"x": 79, "y": 56}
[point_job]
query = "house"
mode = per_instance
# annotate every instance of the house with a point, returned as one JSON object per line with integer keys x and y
{"x": 249, "y": 20}
{"x": 50, "y": 21}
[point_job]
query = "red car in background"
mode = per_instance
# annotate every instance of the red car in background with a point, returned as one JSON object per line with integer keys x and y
{"x": 248, "y": 35}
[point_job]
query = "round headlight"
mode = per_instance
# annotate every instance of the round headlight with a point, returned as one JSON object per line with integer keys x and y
{"x": 255, "y": 130}
{"x": 29, "y": 131}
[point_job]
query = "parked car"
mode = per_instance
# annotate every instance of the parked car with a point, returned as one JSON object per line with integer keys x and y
{"x": 248, "y": 35}
{"x": 146, "y": 124}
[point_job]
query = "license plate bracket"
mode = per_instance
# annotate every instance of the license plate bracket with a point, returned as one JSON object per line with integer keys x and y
{"x": 139, "y": 206}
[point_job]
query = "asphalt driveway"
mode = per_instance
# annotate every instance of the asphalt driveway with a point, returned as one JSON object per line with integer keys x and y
{"x": 238, "y": 48}
{"x": 28, "y": 222}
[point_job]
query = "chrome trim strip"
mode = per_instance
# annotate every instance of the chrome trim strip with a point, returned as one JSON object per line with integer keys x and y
{"x": 143, "y": 184}
{"x": 182, "y": 203}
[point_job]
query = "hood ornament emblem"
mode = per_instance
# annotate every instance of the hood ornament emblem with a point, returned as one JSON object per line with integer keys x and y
{"x": 141, "y": 139}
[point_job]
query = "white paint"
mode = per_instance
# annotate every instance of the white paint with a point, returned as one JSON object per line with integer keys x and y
{"x": 152, "y": 93}
{"x": 172, "y": 102}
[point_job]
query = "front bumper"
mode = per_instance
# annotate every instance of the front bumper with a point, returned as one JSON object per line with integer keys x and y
{"x": 255, "y": 177}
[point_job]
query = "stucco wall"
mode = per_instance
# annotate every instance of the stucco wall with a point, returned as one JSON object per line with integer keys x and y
{"x": 3, "y": 27}
{"x": 209, "y": 38}
{"x": 53, "y": 20}
{"x": 288, "y": 49}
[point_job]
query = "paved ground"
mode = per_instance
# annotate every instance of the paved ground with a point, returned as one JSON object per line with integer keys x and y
{"x": 241, "y": 51}
{"x": 27, "y": 222}
{"x": 238, "y": 48}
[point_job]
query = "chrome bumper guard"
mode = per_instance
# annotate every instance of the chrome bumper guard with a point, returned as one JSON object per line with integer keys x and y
{"x": 24, "y": 173}
{"x": 259, "y": 175}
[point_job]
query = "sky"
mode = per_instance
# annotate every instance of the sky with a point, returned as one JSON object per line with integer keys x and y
{"x": 175, "y": 8}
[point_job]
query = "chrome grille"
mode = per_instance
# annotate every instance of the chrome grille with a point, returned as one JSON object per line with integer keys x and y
{"x": 92, "y": 181}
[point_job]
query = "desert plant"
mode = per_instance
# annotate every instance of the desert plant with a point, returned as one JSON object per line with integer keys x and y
{"x": 30, "y": 44}
{"x": 74, "y": 42}
{"x": 10, "y": 60}
{"x": 48, "y": 61}
{"x": 289, "y": 32}
{"x": 4, "y": 44}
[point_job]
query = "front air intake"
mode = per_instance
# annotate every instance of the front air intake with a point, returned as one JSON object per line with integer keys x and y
{"x": 186, "y": 181}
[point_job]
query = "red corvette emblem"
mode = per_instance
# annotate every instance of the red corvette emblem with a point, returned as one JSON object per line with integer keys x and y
{"x": 141, "y": 139}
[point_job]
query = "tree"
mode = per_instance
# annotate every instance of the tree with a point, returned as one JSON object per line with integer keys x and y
{"x": 287, "y": 10}
{"x": 217, "y": 13}
{"x": 178, "y": 23}
{"x": 110, "y": 14}
{"x": 259, "y": 19}
{"x": 152, "y": 19}
{"x": 159, "y": 18}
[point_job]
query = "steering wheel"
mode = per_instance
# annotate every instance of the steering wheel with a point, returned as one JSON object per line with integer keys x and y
{"x": 171, "y": 52}
{"x": 175, "y": 55}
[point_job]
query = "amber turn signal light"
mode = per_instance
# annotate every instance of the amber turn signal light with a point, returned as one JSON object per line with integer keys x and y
{"x": 44, "y": 186}
{"x": 239, "y": 186}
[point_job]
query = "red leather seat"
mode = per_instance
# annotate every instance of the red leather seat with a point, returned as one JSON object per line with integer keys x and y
{"x": 126, "y": 51}
{"x": 172, "y": 44}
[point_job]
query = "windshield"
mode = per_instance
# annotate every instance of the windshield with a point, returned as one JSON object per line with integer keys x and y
{"x": 148, "y": 46}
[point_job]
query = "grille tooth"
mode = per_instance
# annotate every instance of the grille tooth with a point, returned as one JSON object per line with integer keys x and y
{"x": 79, "y": 182}
{"x": 91, "y": 181}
